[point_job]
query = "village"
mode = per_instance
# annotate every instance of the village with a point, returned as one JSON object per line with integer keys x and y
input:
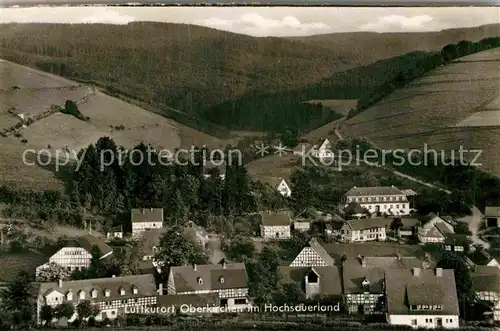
{"x": 374, "y": 256}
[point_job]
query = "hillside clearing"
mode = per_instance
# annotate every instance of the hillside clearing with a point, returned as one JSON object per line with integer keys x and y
{"x": 341, "y": 106}
{"x": 427, "y": 110}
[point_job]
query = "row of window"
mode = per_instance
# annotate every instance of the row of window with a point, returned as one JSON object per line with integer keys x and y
{"x": 375, "y": 199}
{"x": 107, "y": 293}
{"x": 200, "y": 280}
{"x": 455, "y": 248}
{"x": 426, "y": 307}
{"x": 430, "y": 320}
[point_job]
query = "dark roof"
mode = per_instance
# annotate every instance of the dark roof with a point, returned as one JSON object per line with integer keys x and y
{"x": 404, "y": 289}
{"x": 354, "y": 208}
{"x": 456, "y": 239}
{"x": 371, "y": 191}
{"x": 275, "y": 219}
{"x": 186, "y": 277}
{"x": 486, "y": 279}
{"x": 373, "y": 271}
{"x": 151, "y": 238}
{"x": 193, "y": 300}
{"x": 140, "y": 215}
{"x": 426, "y": 218}
{"x": 480, "y": 257}
{"x": 88, "y": 242}
{"x": 369, "y": 223}
{"x": 144, "y": 283}
{"x": 116, "y": 228}
{"x": 330, "y": 280}
{"x": 146, "y": 267}
{"x": 353, "y": 250}
{"x": 409, "y": 223}
{"x": 441, "y": 226}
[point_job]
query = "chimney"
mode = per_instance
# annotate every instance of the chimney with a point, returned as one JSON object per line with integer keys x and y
{"x": 60, "y": 282}
{"x": 416, "y": 272}
{"x": 160, "y": 289}
{"x": 195, "y": 267}
{"x": 439, "y": 272}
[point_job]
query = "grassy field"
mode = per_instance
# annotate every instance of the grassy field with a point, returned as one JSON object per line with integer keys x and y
{"x": 428, "y": 110}
{"x": 14, "y": 263}
{"x": 127, "y": 124}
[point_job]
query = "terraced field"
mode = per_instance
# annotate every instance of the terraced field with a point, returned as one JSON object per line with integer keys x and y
{"x": 30, "y": 92}
{"x": 430, "y": 108}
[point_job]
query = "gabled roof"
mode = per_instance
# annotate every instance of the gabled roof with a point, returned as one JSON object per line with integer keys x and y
{"x": 486, "y": 279}
{"x": 353, "y": 250}
{"x": 144, "y": 283}
{"x": 404, "y": 289}
{"x": 192, "y": 300}
{"x": 369, "y": 223}
{"x": 373, "y": 191}
{"x": 480, "y": 257}
{"x": 281, "y": 218}
{"x": 88, "y": 241}
{"x": 441, "y": 227}
{"x": 151, "y": 238}
{"x": 456, "y": 239}
{"x": 320, "y": 250}
{"x": 186, "y": 278}
{"x": 330, "y": 280}
{"x": 373, "y": 270}
{"x": 274, "y": 182}
{"x": 434, "y": 233}
{"x": 409, "y": 192}
{"x": 354, "y": 208}
{"x": 142, "y": 215}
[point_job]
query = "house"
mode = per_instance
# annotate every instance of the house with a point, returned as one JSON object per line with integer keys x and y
{"x": 434, "y": 229}
{"x": 301, "y": 225}
{"x": 113, "y": 296}
{"x": 409, "y": 227}
{"x": 213, "y": 168}
{"x": 456, "y": 242}
{"x": 482, "y": 257}
{"x": 355, "y": 210}
{"x": 422, "y": 298}
{"x": 327, "y": 254}
{"x": 364, "y": 229}
{"x": 228, "y": 280}
{"x": 275, "y": 225}
{"x": 363, "y": 280}
{"x": 77, "y": 253}
{"x": 277, "y": 183}
{"x": 487, "y": 284}
{"x": 146, "y": 218}
{"x": 323, "y": 149}
{"x": 115, "y": 232}
{"x": 492, "y": 216}
{"x": 323, "y": 281}
{"x": 150, "y": 240}
{"x": 302, "y": 149}
{"x": 385, "y": 200}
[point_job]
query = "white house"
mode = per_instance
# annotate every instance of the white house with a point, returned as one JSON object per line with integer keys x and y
{"x": 277, "y": 183}
{"x": 323, "y": 149}
{"x": 422, "y": 298}
{"x": 77, "y": 253}
{"x": 364, "y": 229}
{"x": 275, "y": 225}
{"x": 146, "y": 218}
{"x": 214, "y": 167}
{"x": 434, "y": 229}
{"x": 115, "y": 232}
{"x": 487, "y": 284}
{"x": 228, "y": 280}
{"x": 385, "y": 200}
{"x": 492, "y": 216}
{"x": 111, "y": 295}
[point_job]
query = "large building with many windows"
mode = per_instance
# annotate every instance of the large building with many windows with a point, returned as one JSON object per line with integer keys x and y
{"x": 364, "y": 229}
{"x": 77, "y": 253}
{"x": 112, "y": 296}
{"x": 384, "y": 200}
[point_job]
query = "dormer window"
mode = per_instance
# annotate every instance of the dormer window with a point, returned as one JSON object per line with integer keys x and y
{"x": 365, "y": 282}
{"x": 135, "y": 290}
{"x": 107, "y": 292}
{"x": 221, "y": 280}
{"x": 94, "y": 294}
{"x": 69, "y": 296}
{"x": 199, "y": 280}
{"x": 122, "y": 291}
{"x": 81, "y": 295}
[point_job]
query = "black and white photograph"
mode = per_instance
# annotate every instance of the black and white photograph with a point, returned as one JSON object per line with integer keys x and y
{"x": 231, "y": 166}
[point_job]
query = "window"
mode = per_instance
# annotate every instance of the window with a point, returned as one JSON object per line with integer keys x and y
{"x": 107, "y": 293}
{"x": 135, "y": 290}
{"x": 240, "y": 301}
{"x": 82, "y": 295}
{"x": 221, "y": 280}
{"x": 94, "y": 294}
{"x": 199, "y": 280}
{"x": 447, "y": 247}
{"x": 414, "y": 322}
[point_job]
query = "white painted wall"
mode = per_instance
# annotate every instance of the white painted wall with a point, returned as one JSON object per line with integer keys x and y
{"x": 269, "y": 232}
{"x": 428, "y": 321}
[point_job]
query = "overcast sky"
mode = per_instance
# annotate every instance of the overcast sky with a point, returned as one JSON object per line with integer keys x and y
{"x": 269, "y": 21}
